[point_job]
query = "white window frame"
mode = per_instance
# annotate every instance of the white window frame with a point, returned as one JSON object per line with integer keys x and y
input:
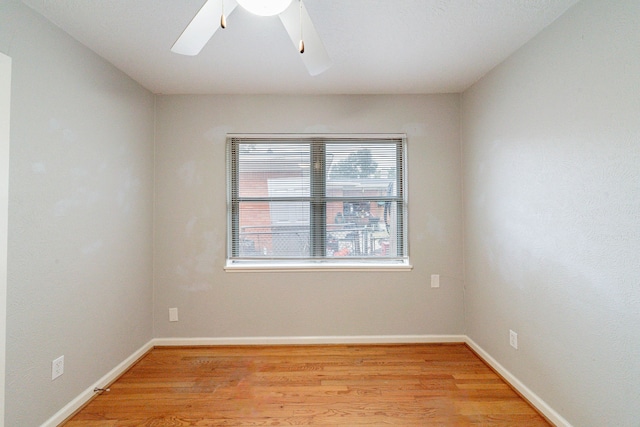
{"x": 237, "y": 264}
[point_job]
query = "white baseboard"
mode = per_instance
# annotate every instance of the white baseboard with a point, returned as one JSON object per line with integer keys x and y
{"x": 533, "y": 398}
{"x": 86, "y": 395}
{"x": 357, "y": 339}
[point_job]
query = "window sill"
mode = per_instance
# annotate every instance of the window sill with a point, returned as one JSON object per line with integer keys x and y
{"x": 274, "y": 267}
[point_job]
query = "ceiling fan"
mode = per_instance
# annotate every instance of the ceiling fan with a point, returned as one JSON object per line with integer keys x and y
{"x": 292, "y": 13}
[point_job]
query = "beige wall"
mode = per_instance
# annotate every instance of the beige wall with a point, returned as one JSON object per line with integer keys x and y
{"x": 80, "y": 209}
{"x": 551, "y": 142}
{"x": 190, "y": 224}
{"x": 550, "y": 159}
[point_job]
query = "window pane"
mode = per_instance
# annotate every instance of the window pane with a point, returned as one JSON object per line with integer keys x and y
{"x": 273, "y": 229}
{"x": 360, "y": 228}
{"x": 316, "y": 198}
{"x": 273, "y": 170}
{"x": 361, "y": 168}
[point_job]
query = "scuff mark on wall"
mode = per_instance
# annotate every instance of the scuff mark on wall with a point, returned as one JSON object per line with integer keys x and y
{"x": 38, "y": 168}
{"x": 129, "y": 187}
{"x": 92, "y": 247}
{"x": 187, "y": 173}
{"x": 197, "y": 268}
{"x": 218, "y": 134}
{"x": 436, "y": 228}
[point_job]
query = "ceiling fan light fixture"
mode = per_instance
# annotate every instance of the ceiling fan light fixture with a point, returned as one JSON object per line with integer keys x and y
{"x": 265, "y": 7}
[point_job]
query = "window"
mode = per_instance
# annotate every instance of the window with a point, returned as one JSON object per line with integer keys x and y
{"x": 316, "y": 201}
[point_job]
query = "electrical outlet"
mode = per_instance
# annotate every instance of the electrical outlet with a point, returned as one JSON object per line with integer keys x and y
{"x": 435, "y": 280}
{"x": 173, "y": 315}
{"x": 513, "y": 339}
{"x": 57, "y": 368}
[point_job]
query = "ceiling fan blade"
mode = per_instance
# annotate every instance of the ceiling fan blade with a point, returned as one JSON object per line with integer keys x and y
{"x": 202, "y": 27}
{"x": 315, "y": 56}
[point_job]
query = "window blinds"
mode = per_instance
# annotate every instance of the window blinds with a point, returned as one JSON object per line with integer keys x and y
{"x": 316, "y": 197}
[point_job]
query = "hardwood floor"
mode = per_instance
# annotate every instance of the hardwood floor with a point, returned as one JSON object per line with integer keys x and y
{"x": 336, "y": 385}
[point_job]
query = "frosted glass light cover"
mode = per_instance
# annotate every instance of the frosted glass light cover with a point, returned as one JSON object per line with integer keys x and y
{"x": 265, "y": 7}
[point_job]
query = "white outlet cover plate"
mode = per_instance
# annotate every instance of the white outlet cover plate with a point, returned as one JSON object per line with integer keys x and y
{"x": 57, "y": 367}
{"x": 435, "y": 280}
{"x": 513, "y": 339}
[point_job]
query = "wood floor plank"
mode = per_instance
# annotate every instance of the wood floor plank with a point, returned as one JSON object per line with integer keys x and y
{"x": 324, "y": 385}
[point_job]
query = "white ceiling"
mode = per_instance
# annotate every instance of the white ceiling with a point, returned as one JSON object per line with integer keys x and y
{"x": 377, "y": 46}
